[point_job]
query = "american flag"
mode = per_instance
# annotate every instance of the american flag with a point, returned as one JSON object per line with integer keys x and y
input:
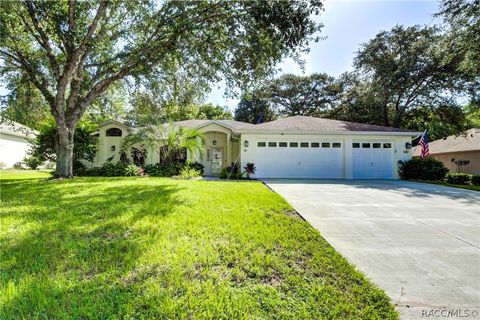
{"x": 424, "y": 144}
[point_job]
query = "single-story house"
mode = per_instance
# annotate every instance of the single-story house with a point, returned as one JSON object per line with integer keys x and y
{"x": 459, "y": 153}
{"x": 14, "y": 142}
{"x": 293, "y": 147}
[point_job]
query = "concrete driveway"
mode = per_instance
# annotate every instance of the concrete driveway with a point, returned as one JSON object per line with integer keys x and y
{"x": 419, "y": 242}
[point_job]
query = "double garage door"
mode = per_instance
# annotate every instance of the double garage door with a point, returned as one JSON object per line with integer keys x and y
{"x": 322, "y": 159}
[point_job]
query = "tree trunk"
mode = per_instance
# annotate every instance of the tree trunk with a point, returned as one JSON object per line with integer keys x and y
{"x": 64, "y": 148}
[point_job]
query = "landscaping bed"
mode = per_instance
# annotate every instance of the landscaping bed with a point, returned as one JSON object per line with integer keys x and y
{"x": 158, "y": 248}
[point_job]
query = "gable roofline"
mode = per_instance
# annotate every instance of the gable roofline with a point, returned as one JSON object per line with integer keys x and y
{"x": 218, "y": 123}
{"x": 319, "y": 132}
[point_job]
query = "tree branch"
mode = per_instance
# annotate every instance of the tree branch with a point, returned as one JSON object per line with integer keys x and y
{"x": 43, "y": 40}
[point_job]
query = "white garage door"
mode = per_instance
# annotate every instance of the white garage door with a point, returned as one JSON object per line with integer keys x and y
{"x": 372, "y": 160}
{"x": 302, "y": 159}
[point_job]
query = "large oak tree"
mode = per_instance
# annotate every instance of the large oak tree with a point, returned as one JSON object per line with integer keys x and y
{"x": 74, "y": 51}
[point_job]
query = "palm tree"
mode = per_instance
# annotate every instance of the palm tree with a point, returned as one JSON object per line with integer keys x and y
{"x": 172, "y": 142}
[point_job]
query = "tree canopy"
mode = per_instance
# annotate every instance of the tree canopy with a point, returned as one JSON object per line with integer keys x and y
{"x": 253, "y": 109}
{"x": 74, "y": 51}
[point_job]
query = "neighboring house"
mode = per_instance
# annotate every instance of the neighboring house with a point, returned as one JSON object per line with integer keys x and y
{"x": 14, "y": 142}
{"x": 294, "y": 147}
{"x": 459, "y": 153}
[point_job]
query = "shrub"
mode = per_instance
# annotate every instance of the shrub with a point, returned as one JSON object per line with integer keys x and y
{"x": 157, "y": 170}
{"x": 18, "y": 165}
{"x": 459, "y": 178}
{"x": 132, "y": 170}
{"x": 422, "y": 169}
{"x": 188, "y": 173}
{"x": 196, "y": 165}
{"x": 249, "y": 169}
{"x": 3, "y": 165}
{"x": 32, "y": 162}
{"x": 108, "y": 169}
{"x": 231, "y": 172}
{"x": 476, "y": 180}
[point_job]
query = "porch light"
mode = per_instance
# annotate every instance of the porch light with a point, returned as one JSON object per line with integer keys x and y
{"x": 245, "y": 143}
{"x": 112, "y": 148}
{"x": 408, "y": 145}
{"x": 214, "y": 142}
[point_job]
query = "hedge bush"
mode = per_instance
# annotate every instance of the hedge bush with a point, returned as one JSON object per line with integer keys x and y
{"x": 476, "y": 180}
{"x": 121, "y": 168}
{"x": 459, "y": 178}
{"x": 422, "y": 169}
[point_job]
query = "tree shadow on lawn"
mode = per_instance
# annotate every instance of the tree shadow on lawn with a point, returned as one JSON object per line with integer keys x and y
{"x": 66, "y": 245}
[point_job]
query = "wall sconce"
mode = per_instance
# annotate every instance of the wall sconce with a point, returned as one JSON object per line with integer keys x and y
{"x": 214, "y": 142}
{"x": 112, "y": 148}
{"x": 408, "y": 145}
{"x": 245, "y": 143}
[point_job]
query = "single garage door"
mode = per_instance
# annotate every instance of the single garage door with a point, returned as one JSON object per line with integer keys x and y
{"x": 302, "y": 159}
{"x": 372, "y": 160}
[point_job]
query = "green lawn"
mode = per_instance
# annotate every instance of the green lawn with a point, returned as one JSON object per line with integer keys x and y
{"x": 154, "y": 248}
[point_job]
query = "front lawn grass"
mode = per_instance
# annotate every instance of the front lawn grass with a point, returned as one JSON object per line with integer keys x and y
{"x": 155, "y": 248}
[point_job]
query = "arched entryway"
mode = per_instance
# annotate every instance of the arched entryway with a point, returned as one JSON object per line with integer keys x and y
{"x": 216, "y": 152}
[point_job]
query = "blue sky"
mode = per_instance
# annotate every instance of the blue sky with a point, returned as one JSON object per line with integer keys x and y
{"x": 347, "y": 24}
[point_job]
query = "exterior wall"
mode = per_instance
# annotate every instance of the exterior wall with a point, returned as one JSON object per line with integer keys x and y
{"x": 236, "y": 151}
{"x": 104, "y": 147}
{"x": 399, "y": 142}
{"x": 473, "y": 156}
{"x": 105, "y": 144}
{"x": 13, "y": 149}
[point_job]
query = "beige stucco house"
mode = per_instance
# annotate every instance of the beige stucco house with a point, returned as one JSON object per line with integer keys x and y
{"x": 294, "y": 147}
{"x": 459, "y": 153}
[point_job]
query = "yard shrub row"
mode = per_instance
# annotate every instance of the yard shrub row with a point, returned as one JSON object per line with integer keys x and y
{"x": 234, "y": 171}
{"x": 463, "y": 178}
{"x": 430, "y": 169}
{"x": 120, "y": 169}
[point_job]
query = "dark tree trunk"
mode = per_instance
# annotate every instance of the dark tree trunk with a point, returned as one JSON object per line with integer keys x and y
{"x": 386, "y": 122}
{"x": 64, "y": 148}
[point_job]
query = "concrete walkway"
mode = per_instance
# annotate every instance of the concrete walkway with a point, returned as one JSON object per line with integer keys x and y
{"x": 419, "y": 242}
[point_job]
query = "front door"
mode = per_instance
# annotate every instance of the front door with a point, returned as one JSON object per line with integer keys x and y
{"x": 216, "y": 160}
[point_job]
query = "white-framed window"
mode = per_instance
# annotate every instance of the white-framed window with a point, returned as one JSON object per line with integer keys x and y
{"x": 272, "y": 144}
{"x": 325, "y": 144}
{"x": 315, "y": 144}
{"x": 283, "y": 144}
{"x": 303, "y": 144}
{"x": 261, "y": 144}
{"x": 336, "y": 145}
{"x": 293, "y": 144}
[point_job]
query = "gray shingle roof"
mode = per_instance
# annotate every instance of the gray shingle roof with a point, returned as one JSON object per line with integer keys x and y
{"x": 237, "y": 125}
{"x": 17, "y": 129}
{"x": 467, "y": 141}
{"x": 303, "y": 123}
{"x": 294, "y": 124}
